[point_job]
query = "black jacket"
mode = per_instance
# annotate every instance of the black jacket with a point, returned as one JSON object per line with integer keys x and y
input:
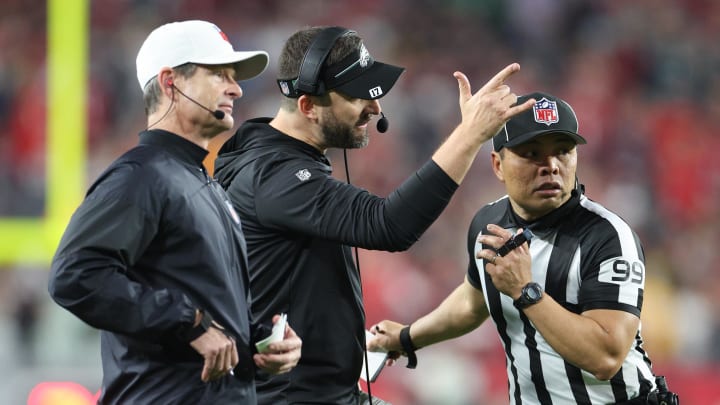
{"x": 299, "y": 224}
{"x": 153, "y": 240}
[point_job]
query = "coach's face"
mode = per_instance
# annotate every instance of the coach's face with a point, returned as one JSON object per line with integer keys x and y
{"x": 539, "y": 175}
{"x": 344, "y": 121}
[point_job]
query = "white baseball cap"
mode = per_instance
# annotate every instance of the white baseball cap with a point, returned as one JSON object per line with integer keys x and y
{"x": 194, "y": 41}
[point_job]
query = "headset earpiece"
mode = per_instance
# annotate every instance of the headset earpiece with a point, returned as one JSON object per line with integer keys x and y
{"x": 169, "y": 83}
{"x": 314, "y": 59}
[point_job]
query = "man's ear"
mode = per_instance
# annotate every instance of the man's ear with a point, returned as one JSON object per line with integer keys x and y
{"x": 165, "y": 78}
{"x": 306, "y": 105}
{"x": 496, "y": 162}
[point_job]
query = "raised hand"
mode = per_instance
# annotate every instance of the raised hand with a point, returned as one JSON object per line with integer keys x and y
{"x": 485, "y": 112}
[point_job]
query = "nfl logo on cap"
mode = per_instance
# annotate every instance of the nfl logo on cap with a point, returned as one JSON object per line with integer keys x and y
{"x": 544, "y": 118}
{"x": 546, "y": 112}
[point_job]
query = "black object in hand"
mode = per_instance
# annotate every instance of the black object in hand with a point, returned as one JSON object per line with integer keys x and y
{"x": 663, "y": 395}
{"x": 515, "y": 241}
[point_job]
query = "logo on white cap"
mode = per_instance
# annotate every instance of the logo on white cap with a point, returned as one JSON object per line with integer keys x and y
{"x": 194, "y": 41}
{"x": 222, "y": 34}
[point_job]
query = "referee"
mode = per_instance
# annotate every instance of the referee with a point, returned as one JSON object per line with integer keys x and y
{"x": 567, "y": 304}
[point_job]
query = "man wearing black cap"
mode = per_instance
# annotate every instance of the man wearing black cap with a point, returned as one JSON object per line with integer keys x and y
{"x": 300, "y": 222}
{"x": 567, "y": 303}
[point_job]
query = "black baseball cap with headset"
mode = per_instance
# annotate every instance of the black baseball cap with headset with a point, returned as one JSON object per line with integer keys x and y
{"x": 357, "y": 75}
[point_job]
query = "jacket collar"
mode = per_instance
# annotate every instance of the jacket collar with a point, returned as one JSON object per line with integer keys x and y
{"x": 174, "y": 144}
{"x": 258, "y": 133}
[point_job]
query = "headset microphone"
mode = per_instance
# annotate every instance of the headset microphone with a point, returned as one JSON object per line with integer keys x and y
{"x": 383, "y": 123}
{"x": 218, "y": 114}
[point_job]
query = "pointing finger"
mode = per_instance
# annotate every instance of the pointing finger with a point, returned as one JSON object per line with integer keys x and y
{"x": 501, "y": 76}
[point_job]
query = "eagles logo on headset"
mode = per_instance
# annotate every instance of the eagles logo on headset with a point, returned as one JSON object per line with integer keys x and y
{"x": 357, "y": 75}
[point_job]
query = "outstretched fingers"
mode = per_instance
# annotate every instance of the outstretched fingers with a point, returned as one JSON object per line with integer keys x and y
{"x": 517, "y": 109}
{"x": 500, "y": 78}
{"x": 464, "y": 87}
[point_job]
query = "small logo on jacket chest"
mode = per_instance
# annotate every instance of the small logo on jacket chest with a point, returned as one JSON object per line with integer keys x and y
{"x": 303, "y": 174}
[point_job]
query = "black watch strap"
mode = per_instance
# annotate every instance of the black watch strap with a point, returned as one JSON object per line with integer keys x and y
{"x": 408, "y": 347}
{"x": 193, "y": 333}
{"x": 531, "y": 294}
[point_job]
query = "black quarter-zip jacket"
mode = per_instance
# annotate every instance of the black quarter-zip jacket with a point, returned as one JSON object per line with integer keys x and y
{"x": 154, "y": 239}
{"x": 300, "y": 223}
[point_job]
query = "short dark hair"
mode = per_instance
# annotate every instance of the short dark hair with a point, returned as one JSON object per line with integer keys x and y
{"x": 152, "y": 91}
{"x": 298, "y": 44}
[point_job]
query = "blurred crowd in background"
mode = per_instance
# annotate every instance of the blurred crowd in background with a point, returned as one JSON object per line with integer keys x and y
{"x": 642, "y": 76}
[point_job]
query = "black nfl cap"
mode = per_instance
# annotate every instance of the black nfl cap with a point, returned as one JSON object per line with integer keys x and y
{"x": 549, "y": 115}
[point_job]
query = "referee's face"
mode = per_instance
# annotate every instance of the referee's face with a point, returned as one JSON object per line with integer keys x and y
{"x": 539, "y": 175}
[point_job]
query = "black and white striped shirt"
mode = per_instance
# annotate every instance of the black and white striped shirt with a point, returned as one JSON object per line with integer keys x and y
{"x": 585, "y": 257}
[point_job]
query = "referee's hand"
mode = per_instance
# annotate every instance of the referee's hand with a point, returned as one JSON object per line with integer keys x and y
{"x": 511, "y": 272}
{"x": 219, "y": 352}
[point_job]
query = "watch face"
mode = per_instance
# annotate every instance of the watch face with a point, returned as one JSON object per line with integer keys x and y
{"x": 533, "y": 293}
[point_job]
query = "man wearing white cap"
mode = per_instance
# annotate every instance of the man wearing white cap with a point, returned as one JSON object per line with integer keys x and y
{"x": 155, "y": 255}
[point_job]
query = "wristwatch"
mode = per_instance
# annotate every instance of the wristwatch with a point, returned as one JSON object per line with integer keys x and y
{"x": 530, "y": 294}
{"x": 194, "y": 332}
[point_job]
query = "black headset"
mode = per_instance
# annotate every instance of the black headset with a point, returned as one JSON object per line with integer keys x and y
{"x": 308, "y": 79}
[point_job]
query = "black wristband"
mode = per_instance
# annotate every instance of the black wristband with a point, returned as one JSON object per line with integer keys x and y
{"x": 194, "y": 332}
{"x": 408, "y": 347}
